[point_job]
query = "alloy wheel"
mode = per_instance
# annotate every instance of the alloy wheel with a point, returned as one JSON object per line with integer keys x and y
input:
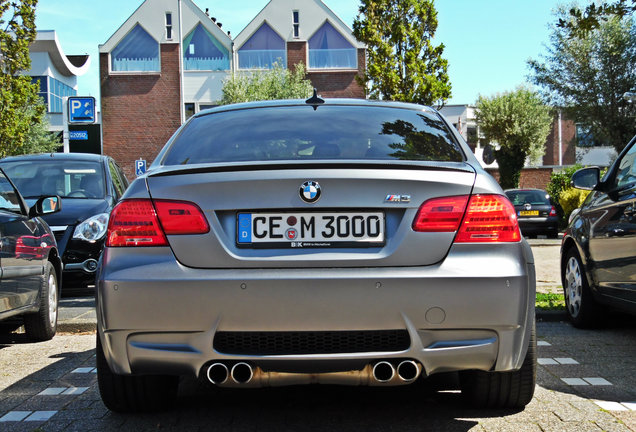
{"x": 52, "y": 300}
{"x": 574, "y": 288}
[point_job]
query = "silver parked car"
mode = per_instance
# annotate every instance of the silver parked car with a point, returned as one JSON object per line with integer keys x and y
{"x": 340, "y": 242}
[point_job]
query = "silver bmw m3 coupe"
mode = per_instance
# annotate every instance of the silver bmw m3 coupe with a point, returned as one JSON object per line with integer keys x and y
{"x": 315, "y": 242}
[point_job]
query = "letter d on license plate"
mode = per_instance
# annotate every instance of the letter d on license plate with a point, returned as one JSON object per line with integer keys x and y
{"x": 300, "y": 230}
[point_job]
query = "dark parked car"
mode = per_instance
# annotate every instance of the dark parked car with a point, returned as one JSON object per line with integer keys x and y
{"x": 535, "y": 212}
{"x": 295, "y": 242}
{"x": 89, "y": 186}
{"x": 598, "y": 253}
{"x": 31, "y": 267}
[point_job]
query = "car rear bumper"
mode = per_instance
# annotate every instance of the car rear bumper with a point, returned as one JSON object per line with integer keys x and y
{"x": 472, "y": 311}
{"x": 538, "y": 225}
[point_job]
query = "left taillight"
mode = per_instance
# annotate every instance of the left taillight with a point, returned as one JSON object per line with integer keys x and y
{"x": 137, "y": 222}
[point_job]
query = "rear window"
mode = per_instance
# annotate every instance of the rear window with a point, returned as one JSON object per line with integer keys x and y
{"x": 534, "y": 197}
{"x": 302, "y": 133}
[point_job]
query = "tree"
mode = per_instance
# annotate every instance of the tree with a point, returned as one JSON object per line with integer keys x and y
{"x": 20, "y": 107}
{"x": 277, "y": 83}
{"x": 588, "y": 75}
{"x": 580, "y": 22}
{"x": 403, "y": 65}
{"x": 519, "y": 123}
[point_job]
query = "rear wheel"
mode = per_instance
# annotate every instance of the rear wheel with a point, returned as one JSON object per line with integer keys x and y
{"x": 42, "y": 325}
{"x": 133, "y": 393}
{"x": 581, "y": 307}
{"x": 502, "y": 389}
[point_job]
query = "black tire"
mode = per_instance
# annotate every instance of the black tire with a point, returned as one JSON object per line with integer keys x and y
{"x": 42, "y": 325}
{"x": 134, "y": 393}
{"x": 502, "y": 389}
{"x": 581, "y": 307}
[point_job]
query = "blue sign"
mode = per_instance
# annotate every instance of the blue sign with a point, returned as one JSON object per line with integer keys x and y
{"x": 81, "y": 109}
{"x": 78, "y": 135}
{"x": 140, "y": 167}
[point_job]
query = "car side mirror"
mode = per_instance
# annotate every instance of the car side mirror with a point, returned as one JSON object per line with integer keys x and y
{"x": 46, "y": 205}
{"x": 586, "y": 178}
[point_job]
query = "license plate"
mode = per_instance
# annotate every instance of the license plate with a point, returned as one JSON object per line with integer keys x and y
{"x": 310, "y": 230}
{"x": 529, "y": 213}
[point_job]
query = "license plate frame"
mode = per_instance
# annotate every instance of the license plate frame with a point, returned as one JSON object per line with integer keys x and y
{"x": 529, "y": 213}
{"x": 310, "y": 229}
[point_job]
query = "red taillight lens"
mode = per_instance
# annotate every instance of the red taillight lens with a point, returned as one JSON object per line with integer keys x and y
{"x": 179, "y": 217}
{"x": 489, "y": 218}
{"x": 553, "y": 211}
{"x": 134, "y": 223}
{"x": 440, "y": 214}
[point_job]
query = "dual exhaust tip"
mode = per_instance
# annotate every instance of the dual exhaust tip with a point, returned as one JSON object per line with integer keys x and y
{"x": 383, "y": 372}
{"x": 241, "y": 373}
{"x": 407, "y": 371}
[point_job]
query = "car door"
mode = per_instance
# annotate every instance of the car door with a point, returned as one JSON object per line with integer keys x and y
{"x": 613, "y": 234}
{"x": 20, "y": 251}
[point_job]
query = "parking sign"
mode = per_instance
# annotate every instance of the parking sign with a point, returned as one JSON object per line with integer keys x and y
{"x": 81, "y": 109}
{"x": 140, "y": 166}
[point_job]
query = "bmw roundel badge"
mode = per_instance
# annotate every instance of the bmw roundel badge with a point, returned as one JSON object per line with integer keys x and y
{"x": 310, "y": 191}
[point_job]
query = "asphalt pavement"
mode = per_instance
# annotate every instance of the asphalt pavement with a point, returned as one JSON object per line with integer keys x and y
{"x": 77, "y": 314}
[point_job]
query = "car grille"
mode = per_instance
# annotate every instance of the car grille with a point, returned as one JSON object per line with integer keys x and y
{"x": 321, "y": 342}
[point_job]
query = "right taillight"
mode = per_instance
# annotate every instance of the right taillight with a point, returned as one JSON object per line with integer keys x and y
{"x": 478, "y": 219}
{"x": 137, "y": 222}
{"x": 489, "y": 218}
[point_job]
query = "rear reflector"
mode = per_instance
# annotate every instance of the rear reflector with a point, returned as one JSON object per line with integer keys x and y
{"x": 483, "y": 218}
{"x": 136, "y": 222}
{"x": 489, "y": 218}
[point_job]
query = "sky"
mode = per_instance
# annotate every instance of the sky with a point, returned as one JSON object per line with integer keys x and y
{"x": 487, "y": 42}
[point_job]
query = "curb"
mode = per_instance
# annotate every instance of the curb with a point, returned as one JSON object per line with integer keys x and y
{"x": 76, "y": 327}
{"x": 551, "y": 315}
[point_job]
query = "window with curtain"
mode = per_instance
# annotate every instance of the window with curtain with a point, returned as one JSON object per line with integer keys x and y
{"x": 137, "y": 52}
{"x": 328, "y": 49}
{"x": 262, "y": 50}
{"x": 201, "y": 51}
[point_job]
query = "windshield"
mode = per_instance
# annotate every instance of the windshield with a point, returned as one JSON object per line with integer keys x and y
{"x": 302, "y": 133}
{"x": 68, "y": 179}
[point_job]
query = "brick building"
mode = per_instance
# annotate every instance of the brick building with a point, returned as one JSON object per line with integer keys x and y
{"x": 169, "y": 59}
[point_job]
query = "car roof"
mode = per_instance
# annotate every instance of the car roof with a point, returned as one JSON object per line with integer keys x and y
{"x": 56, "y": 156}
{"x": 524, "y": 189}
{"x": 327, "y": 102}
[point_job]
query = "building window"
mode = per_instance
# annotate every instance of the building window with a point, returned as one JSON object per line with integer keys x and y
{"x": 262, "y": 50}
{"x": 328, "y": 49}
{"x": 189, "y": 110}
{"x": 168, "y": 25}
{"x": 43, "y": 90}
{"x": 201, "y": 51}
{"x": 296, "y": 23}
{"x": 137, "y": 52}
{"x": 585, "y": 138}
{"x": 57, "y": 91}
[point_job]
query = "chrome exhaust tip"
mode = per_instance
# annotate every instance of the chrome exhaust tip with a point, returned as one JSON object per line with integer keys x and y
{"x": 242, "y": 373}
{"x": 408, "y": 370}
{"x": 218, "y": 373}
{"x": 383, "y": 371}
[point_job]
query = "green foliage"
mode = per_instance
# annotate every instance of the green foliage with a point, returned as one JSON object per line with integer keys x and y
{"x": 587, "y": 75}
{"x": 403, "y": 65}
{"x": 277, "y": 83}
{"x": 20, "y": 106}
{"x": 518, "y": 122}
{"x": 550, "y": 301}
{"x": 571, "y": 199}
{"x": 581, "y": 22}
{"x": 560, "y": 181}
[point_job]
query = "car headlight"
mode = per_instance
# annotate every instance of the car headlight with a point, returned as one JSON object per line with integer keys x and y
{"x": 93, "y": 228}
